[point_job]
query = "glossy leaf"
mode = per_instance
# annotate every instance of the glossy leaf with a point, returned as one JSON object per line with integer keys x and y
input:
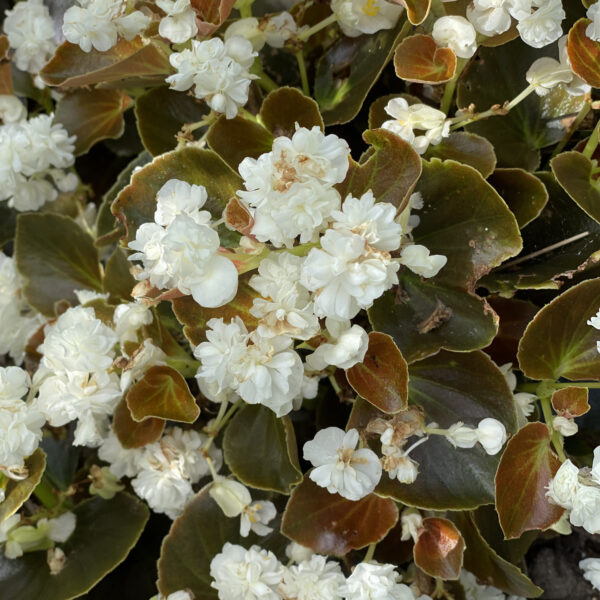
{"x": 162, "y": 393}
{"x": 158, "y": 128}
{"x": 584, "y": 53}
{"x": 467, "y": 148}
{"x": 8, "y": 223}
{"x": 527, "y": 466}
{"x": 92, "y": 115}
{"x": 571, "y": 401}
{"x": 132, "y": 434}
{"x": 439, "y": 548}
{"x": 106, "y": 531}
{"x": 573, "y": 171}
{"x": 524, "y": 193}
{"x": 118, "y": 281}
{"x": 346, "y": 73}
{"x": 382, "y": 377}
{"x": 261, "y": 451}
{"x": 418, "y": 58}
{"x": 454, "y": 387}
{"x": 17, "y": 492}
{"x": 391, "y": 171}
{"x": 558, "y": 342}
{"x": 286, "y": 106}
{"x": 136, "y": 203}
{"x": 330, "y": 524}
{"x": 137, "y": 60}
{"x": 56, "y": 257}
{"x": 481, "y": 560}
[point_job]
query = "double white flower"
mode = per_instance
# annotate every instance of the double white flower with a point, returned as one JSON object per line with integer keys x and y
{"x": 356, "y": 17}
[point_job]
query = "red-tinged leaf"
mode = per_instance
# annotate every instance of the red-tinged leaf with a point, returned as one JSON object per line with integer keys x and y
{"x": 238, "y": 216}
{"x": 92, "y": 115}
{"x": 417, "y": 10}
{"x": 211, "y": 14}
{"x": 6, "y": 85}
{"x": 439, "y": 548}
{"x": 286, "y": 106}
{"x": 330, "y": 524}
{"x": 584, "y": 53}
{"x": 382, "y": 377}
{"x": 419, "y": 59}
{"x": 558, "y": 342}
{"x": 132, "y": 434}
{"x": 391, "y": 172}
{"x": 571, "y": 402}
{"x": 162, "y": 393}
{"x": 4, "y": 47}
{"x": 72, "y": 67}
{"x": 526, "y": 468}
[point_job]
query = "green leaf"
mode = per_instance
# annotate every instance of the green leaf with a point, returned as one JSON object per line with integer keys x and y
{"x": 106, "y": 531}
{"x": 487, "y": 565}
{"x": 527, "y": 467}
{"x": 162, "y": 393}
{"x": 348, "y": 70}
{"x": 558, "y": 342}
{"x": 132, "y": 434}
{"x": 136, "y": 63}
{"x": 8, "y": 223}
{"x": 56, "y": 257}
{"x": 136, "y": 203}
{"x": 382, "y": 377}
{"x": 158, "y": 128}
{"x": 524, "y": 193}
{"x": 454, "y": 387}
{"x": 439, "y": 548}
{"x": 390, "y": 172}
{"x": 329, "y": 524}
{"x": 467, "y": 148}
{"x": 573, "y": 171}
{"x": 286, "y": 106}
{"x": 17, "y": 492}
{"x": 464, "y": 219}
{"x": 92, "y": 115}
{"x": 195, "y": 538}
{"x": 118, "y": 281}
{"x": 418, "y": 58}
{"x": 261, "y": 449}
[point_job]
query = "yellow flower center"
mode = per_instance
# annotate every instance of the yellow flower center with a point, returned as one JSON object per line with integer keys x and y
{"x": 370, "y": 8}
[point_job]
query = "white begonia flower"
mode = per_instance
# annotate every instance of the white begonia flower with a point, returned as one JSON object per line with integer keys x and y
{"x": 313, "y": 579}
{"x": 252, "y": 574}
{"x": 476, "y": 591}
{"x": 178, "y": 197}
{"x": 593, "y": 29}
{"x": 542, "y": 26}
{"x": 260, "y": 370}
{"x": 248, "y": 28}
{"x": 411, "y": 521}
{"x": 123, "y": 462}
{"x": 461, "y": 435}
{"x": 290, "y": 189}
{"x": 279, "y": 28}
{"x": 178, "y": 595}
{"x": 408, "y": 118}
{"x": 457, "y": 33}
{"x": 256, "y": 516}
{"x": 348, "y": 347}
{"x": 129, "y": 318}
{"x": 180, "y": 23}
{"x": 356, "y": 17}
{"x": 20, "y": 432}
{"x": 564, "y": 485}
{"x": 546, "y": 73}
{"x": 285, "y": 307}
{"x": 217, "y": 70}
{"x": 14, "y": 384}
{"x": 11, "y": 109}
{"x": 297, "y": 552}
{"x": 491, "y": 434}
{"x": 85, "y": 296}
{"x": 339, "y": 467}
{"x": 150, "y": 250}
{"x": 373, "y": 581}
{"x": 595, "y": 321}
{"x": 419, "y": 260}
{"x": 396, "y": 461}
{"x": 6, "y": 527}
{"x": 586, "y": 509}
{"x": 524, "y": 401}
{"x": 564, "y": 426}
{"x": 30, "y": 31}
{"x": 591, "y": 571}
{"x": 595, "y": 471}
{"x": 489, "y": 17}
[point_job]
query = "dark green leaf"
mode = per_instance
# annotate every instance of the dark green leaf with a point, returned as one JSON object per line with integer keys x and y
{"x": 286, "y": 106}
{"x": 467, "y": 148}
{"x": 118, "y": 281}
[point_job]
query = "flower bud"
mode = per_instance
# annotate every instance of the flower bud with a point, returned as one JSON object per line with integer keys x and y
{"x": 461, "y": 436}
{"x": 564, "y": 426}
{"x": 412, "y": 521}
{"x": 491, "y": 434}
{"x": 231, "y": 496}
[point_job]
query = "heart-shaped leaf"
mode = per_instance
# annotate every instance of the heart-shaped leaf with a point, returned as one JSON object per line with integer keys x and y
{"x": 467, "y": 148}
{"x": 418, "y": 58}
{"x": 559, "y": 342}
{"x": 286, "y": 106}
{"x": 261, "y": 449}
{"x": 330, "y": 524}
{"x": 132, "y": 434}
{"x": 584, "y": 53}
{"x": 525, "y": 470}
{"x": 382, "y": 377}
{"x": 56, "y": 257}
{"x": 439, "y": 548}
{"x": 571, "y": 401}
{"x": 162, "y": 393}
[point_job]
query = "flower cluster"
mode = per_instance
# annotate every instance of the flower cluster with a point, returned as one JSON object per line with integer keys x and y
{"x": 179, "y": 23}
{"x": 274, "y": 30}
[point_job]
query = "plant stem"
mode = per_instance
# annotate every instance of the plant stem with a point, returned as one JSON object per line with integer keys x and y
{"x": 265, "y": 82}
{"x": 592, "y": 143}
{"x": 557, "y": 440}
{"x": 585, "y": 109}
{"x": 304, "y": 35}
{"x": 220, "y": 421}
{"x": 451, "y": 86}
{"x": 303, "y": 74}
{"x": 44, "y": 492}
{"x": 370, "y": 552}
